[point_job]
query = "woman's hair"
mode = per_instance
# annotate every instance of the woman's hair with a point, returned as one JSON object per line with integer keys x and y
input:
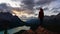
{"x": 41, "y": 9}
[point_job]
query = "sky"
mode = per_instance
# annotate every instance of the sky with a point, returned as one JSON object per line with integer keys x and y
{"x": 12, "y": 3}
{"x": 51, "y": 7}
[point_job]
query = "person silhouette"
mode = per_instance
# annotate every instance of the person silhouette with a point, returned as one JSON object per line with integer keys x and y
{"x": 41, "y": 15}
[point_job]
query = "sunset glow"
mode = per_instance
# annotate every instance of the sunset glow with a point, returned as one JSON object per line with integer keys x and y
{"x": 22, "y": 13}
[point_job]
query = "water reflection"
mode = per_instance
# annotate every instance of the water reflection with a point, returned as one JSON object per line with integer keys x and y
{"x": 14, "y": 30}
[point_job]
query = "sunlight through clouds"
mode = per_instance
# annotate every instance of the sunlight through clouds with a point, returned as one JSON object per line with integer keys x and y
{"x": 49, "y": 6}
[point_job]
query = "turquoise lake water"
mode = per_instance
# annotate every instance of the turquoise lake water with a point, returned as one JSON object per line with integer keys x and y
{"x": 14, "y": 30}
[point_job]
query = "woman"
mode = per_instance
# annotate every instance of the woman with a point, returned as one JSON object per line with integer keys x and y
{"x": 41, "y": 15}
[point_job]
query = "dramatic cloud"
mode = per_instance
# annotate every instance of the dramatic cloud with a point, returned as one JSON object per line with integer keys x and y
{"x": 41, "y": 2}
{"x": 29, "y": 4}
{"x": 47, "y": 5}
{"x": 4, "y": 7}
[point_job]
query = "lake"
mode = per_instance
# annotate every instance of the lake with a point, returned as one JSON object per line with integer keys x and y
{"x": 14, "y": 30}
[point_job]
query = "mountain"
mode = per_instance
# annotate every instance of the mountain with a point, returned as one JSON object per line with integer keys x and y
{"x": 10, "y": 21}
{"x": 51, "y": 23}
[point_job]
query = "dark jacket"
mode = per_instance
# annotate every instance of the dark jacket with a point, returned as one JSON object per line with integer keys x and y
{"x": 41, "y": 14}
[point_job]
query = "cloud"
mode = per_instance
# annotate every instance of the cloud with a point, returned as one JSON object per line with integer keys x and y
{"x": 26, "y": 4}
{"x": 56, "y": 11}
{"x": 16, "y": 0}
{"x": 40, "y": 2}
{"x": 32, "y": 5}
{"x": 4, "y": 7}
{"x": 29, "y": 4}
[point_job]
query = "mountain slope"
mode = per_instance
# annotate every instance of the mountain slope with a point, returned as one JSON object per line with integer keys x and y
{"x": 10, "y": 21}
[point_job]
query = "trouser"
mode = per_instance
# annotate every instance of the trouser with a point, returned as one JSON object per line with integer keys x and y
{"x": 41, "y": 21}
